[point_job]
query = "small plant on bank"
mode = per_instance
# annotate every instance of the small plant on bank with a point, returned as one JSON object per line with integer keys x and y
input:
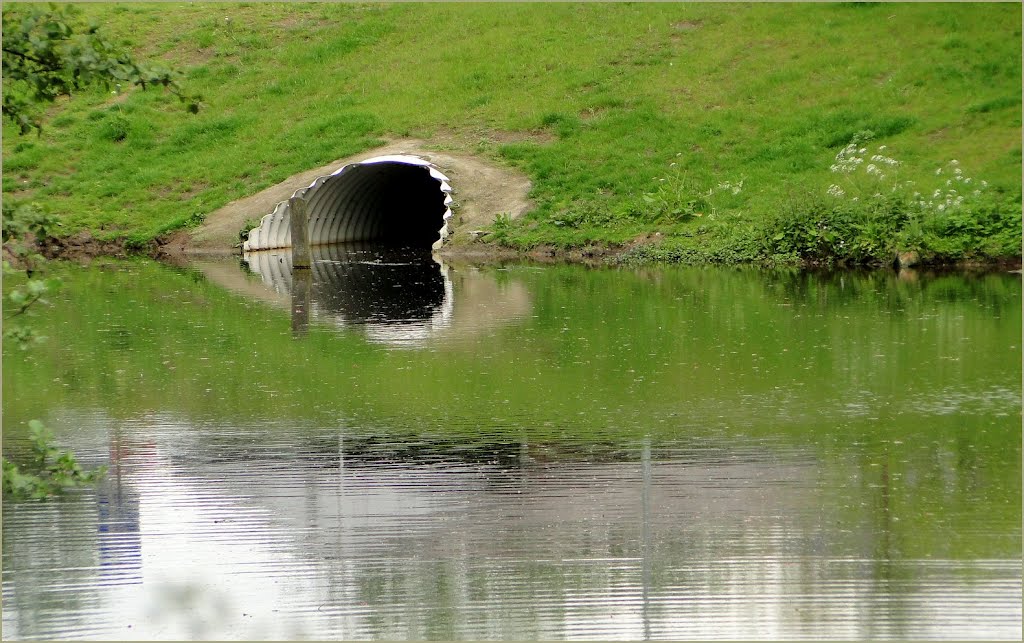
{"x": 679, "y": 198}
{"x": 250, "y": 223}
{"x": 47, "y": 471}
{"x": 501, "y": 228}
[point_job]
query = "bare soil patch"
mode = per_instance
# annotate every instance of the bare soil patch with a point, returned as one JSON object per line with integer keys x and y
{"x": 481, "y": 189}
{"x": 687, "y": 25}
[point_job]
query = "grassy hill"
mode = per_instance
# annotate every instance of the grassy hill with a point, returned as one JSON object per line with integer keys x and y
{"x": 708, "y": 130}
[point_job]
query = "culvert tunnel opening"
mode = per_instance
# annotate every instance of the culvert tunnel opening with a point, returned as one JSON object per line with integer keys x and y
{"x": 389, "y": 201}
{"x": 394, "y": 204}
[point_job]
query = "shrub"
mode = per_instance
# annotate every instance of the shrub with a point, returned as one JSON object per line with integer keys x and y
{"x": 870, "y": 214}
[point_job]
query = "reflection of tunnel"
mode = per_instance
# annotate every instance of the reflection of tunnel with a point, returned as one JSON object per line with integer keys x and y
{"x": 394, "y": 200}
{"x": 401, "y": 287}
{"x": 385, "y": 287}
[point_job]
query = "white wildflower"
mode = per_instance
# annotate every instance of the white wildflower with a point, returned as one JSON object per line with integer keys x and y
{"x": 976, "y": 193}
{"x": 984, "y": 184}
{"x": 836, "y": 191}
{"x": 954, "y": 162}
{"x": 967, "y": 179}
{"x": 872, "y": 168}
{"x": 878, "y": 158}
{"x": 941, "y": 207}
{"x": 881, "y": 147}
{"x": 938, "y": 171}
{"x": 735, "y": 188}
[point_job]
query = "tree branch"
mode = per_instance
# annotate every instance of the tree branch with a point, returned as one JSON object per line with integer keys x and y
{"x": 46, "y": 66}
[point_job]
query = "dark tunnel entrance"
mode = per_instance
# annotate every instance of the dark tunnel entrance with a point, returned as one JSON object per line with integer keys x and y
{"x": 387, "y": 203}
{"x": 392, "y": 201}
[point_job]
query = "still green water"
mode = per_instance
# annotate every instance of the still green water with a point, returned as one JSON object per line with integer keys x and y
{"x": 399, "y": 449}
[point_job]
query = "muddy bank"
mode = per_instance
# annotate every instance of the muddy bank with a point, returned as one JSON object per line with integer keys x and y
{"x": 173, "y": 249}
{"x": 484, "y": 252}
{"x": 81, "y": 247}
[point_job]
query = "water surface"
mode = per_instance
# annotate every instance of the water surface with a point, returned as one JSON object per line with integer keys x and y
{"x": 398, "y": 448}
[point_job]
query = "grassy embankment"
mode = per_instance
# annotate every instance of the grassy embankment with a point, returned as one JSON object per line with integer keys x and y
{"x": 707, "y": 130}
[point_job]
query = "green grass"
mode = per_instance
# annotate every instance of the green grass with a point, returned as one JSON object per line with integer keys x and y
{"x": 605, "y": 97}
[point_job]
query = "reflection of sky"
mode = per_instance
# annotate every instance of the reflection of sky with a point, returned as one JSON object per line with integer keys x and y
{"x": 289, "y": 542}
{"x": 205, "y": 573}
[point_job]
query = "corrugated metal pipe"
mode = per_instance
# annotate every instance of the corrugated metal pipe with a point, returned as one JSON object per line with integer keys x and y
{"x": 398, "y": 199}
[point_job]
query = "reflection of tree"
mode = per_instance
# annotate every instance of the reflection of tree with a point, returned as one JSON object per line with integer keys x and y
{"x": 884, "y": 291}
{"x": 932, "y": 496}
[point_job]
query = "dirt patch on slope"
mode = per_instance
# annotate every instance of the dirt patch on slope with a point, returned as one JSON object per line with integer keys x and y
{"x": 481, "y": 190}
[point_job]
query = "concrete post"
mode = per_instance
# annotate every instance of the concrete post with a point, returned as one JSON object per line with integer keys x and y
{"x": 299, "y": 222}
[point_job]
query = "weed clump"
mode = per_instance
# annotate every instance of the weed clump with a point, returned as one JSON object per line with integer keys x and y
{"x": 113, "y": 129}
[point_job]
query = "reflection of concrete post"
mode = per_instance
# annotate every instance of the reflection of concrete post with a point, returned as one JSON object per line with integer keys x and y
{"x": 302, "y": 287}
{"x": 645, "y": 528}
{"x": 299, "y": 222}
